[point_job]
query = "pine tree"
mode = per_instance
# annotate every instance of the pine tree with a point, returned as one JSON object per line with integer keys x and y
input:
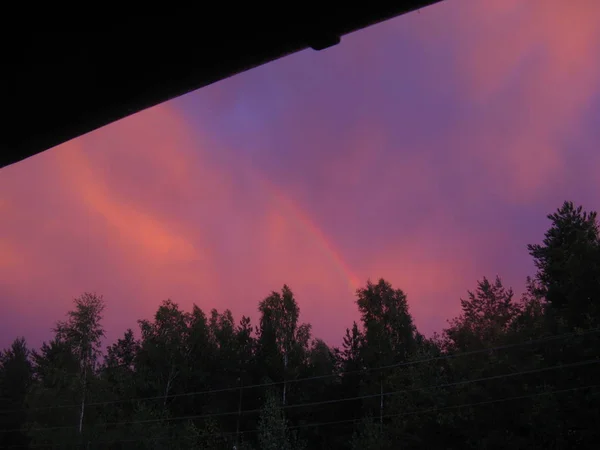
{"x": 486, "y": 317}
{"x": 16, "y": 377}
{"x": 568, "y": 263}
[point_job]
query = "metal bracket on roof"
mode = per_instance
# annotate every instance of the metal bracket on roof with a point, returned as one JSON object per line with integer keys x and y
{"x": 324, "y": 41}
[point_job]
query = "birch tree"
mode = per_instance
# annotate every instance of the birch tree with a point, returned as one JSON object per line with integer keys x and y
{"x": 83, "y": 332}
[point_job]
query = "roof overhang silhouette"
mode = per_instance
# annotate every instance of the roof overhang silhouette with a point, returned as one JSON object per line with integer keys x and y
{"x": 65, "y": 82}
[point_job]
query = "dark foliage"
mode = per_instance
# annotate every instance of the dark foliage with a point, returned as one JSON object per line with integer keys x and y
{"x": 508, "y": 372}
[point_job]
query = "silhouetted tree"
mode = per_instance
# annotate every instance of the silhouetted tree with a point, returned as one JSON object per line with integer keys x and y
{"x": 16, "y": 376}
{"x": 568, "y": 263}
{"x": 83, "y": 332}
{"x": 507, "y": 372}
{"x": 389, "y": 335}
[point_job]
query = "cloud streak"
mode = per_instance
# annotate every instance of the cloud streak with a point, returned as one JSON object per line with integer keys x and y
{"x": 427, "y": 150}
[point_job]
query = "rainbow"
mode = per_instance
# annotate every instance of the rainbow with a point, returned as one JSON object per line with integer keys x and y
{"x": 286, "y": 204}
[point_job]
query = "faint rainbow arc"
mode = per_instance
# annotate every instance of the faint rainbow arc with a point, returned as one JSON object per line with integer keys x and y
{"x": 303, "y": 218}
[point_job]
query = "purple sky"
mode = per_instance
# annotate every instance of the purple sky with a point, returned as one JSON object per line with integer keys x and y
{"x": 426, "y": 150}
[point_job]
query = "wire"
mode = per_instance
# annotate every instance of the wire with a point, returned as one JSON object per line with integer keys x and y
{"x": 445, "y": 408}
{"x": 317, "y": 377}
{"x": 439, "y": 386}
{"x": 347, "y": 421}
{"x": 325, "y": 402}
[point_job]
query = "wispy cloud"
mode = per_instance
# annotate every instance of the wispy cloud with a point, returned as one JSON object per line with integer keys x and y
{"x": 426, "y": 150}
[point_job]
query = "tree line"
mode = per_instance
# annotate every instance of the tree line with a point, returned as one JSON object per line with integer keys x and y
{"x": 507, "y": 372}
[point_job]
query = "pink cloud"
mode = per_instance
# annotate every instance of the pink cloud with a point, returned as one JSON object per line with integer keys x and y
{"x": 158, "y": 206}
{"x": 141, "y": 212}
{"x": 532, "y": 69}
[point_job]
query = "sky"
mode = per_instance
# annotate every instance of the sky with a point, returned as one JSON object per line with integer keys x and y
{"x": 426, "y": 150}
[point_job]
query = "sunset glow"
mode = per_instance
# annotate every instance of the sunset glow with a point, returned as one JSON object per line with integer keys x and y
{"x": 426, "y": 150}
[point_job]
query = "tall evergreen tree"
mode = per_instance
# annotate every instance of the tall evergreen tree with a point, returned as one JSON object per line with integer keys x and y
{"x": 568, "y": 263}
{"x": 16, "y": 377}
{"x": 486, "y": 317}
{"x": 55, "y": 395}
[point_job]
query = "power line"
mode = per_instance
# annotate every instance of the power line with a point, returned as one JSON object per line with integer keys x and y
{"x": 439, "y": 386}
{"x": 319, "y": 377}
{"x": 348, "y": 421}
{"x": 445, "y": 408}
{"x": 326, "y": 402}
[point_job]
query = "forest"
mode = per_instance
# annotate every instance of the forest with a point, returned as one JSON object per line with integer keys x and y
{"x": 508, "y": 372}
